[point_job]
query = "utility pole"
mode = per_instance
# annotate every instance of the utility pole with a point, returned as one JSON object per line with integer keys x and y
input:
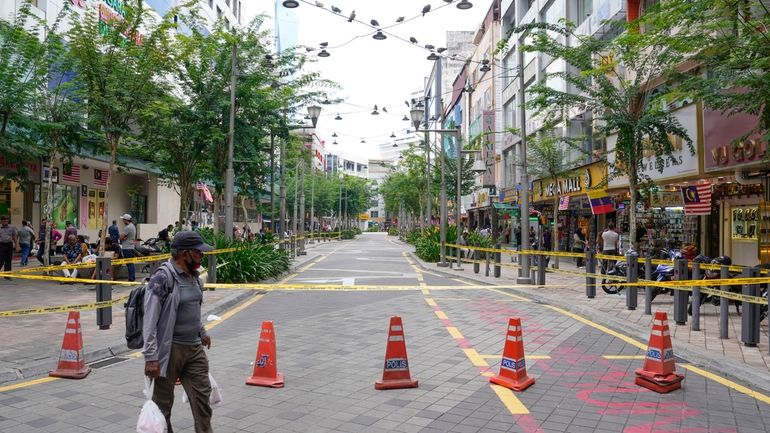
{"x": 296, "y": 184}
{"x": 230, "y": 173}
{"x": 442, "y": 154}
{"x": 282, "y": 188}
{"x": 427, "y": 153}
{"x": 524, "y": 180}
{"x": 272, "y": 180}
{"x": 301, "y": 230}
{"x": 312, "y": 202}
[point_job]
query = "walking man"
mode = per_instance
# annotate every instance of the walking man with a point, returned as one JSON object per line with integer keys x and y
{"x": 114, "y": 232}
{"x": 26, "y": 236}
{"x": 609, "y": 243}
{"x": 127, "y": 244}
{"x": 173, "y": 333}
{"x": 9, "y": 241}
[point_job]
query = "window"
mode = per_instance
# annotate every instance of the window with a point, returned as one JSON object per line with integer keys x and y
{"x": 139, "y": 208}
{"x": 375, "y": 214}
{"x": 487, "y": 99}
{"x": 65, "y": 204}
{"x": 584, "y": 9}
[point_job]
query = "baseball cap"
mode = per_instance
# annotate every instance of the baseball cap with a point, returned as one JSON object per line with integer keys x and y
{"x": 126, "y": 216}
{"x": 189, "y": 240}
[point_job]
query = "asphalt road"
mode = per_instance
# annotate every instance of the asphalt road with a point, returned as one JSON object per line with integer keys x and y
{"x": 331, "y": 346}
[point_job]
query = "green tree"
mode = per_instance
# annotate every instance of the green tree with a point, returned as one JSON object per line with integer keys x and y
{"x": 120, "y": 64}
{"x": 728, "y": 46}
{"x": 614, "y": 79}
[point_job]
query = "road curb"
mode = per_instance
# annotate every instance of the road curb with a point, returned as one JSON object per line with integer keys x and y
{"x": 687, "y": 352}
{"x": 42, "y": 367}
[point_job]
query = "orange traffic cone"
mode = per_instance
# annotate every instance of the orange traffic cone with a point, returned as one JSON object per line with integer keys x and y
{"x": 395, "y": 373}
{"x": 513, "y": 368}
{"x": 659, "y": 371}
{"x": 266, "y": 365}
{"x": 72, "y": 364}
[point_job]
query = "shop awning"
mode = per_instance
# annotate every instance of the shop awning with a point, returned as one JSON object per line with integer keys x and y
{"x": 507, "y": 208}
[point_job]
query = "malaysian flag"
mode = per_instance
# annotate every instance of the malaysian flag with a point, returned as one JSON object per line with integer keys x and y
{"x": 697, "y": 199}
{"x": 100, "y": 177}
{"x": 600, "y": 202}
{"x": 71, "y": 173}
{"x": 564, "y": 203}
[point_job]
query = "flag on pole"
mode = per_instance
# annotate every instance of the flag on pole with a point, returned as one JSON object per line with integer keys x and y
{"x": 600, "y": 202}
{"x": 697, "y": 199}
{"x": 564, "y": 203}
{"x": 207, "y": 193}
{"x": 71, "y": 173}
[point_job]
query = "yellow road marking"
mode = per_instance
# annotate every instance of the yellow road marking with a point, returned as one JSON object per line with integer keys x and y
{"x": 623, "y": 356}
{"x": 485, "y": 356}
{"x": 454, "y": 332}
{"x": 232, "y": 312}
{"x": 510, "y": 295}
{"x": 27, "y": 383}
{"x": 728, "y": 383}
{"x": 604, "y": 329}
{"x": 441, "y": 315}
{"x": 476, "y": 359}
{"x": 431, "y": 302}
{"x": 138, "y": 353}
{"x": 509, "y": 399}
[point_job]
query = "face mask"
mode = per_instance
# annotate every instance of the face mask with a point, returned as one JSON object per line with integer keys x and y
{"x": 192, "y": 265}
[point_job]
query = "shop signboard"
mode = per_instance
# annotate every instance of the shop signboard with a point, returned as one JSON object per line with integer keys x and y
{"x": 724, "y": 145}
{"x": 682, "y": 162}
{"x": 666, "y": 199}
{"x": 577, "y": 181}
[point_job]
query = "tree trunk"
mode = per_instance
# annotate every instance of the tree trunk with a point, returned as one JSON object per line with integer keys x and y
{"x": 185, "y": 196}
{"x": 555, "y": 233}
{"x": 48, "y": 211}
{"x": 215, "y": 212}
{"x": 112, "y": 140}
{"x": 632, "y": 174}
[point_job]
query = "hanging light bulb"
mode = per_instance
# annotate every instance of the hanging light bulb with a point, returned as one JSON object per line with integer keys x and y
{"x": 406, "y": 119}
{"x": 395, "y": 144}
{"x": 324, "y": 53}
{"x": 334, "y": 135}
{"x": 485, "y": 66}
{"x": 380, "y": 36}
{"x": 290, "y": 4}
{"x": 338, "y": 117}
{"x": 433, "y": 56}
{"x": 363, "y": 141}
{"x": 335, "y": 142}
{"x": 392, "y": 135}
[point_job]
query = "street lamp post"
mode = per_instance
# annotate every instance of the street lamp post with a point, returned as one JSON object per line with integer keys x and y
{"x": 340, "y": 176}
{"x": 524, "y": 181}
{"x": 312, "y": 202}
{"x": 230, "y": 173}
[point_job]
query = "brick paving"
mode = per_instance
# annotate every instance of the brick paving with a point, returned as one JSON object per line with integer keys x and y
{"x": 330, "y": 349}
{"x": 571, "y": 290}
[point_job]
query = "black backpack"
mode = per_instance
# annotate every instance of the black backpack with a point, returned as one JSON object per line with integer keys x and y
{"x": 135, "y": 310}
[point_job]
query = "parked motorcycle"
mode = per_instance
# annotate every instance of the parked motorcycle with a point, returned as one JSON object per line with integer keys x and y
{"x": 714, "y": 274}
{"x": 150, "y": 247}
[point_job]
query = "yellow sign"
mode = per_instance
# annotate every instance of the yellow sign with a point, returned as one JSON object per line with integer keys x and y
{"x": 577, "y": 181}
{"x": 363, "y": 217}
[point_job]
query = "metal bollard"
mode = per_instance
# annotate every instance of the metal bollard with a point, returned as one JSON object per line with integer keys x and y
{"x": 476, "y": 258}
{"x": 103, "y": 292}
{"x": 632, "y": 277}
{"x": 211, "y": 275}
{"x": 590, "y": 270}
{"x": 541, "y": 268}
{"x": 680, "y": 296}
{"x": 724, "y": 304}
{"x": 648, "y": 290}
{"x": 750, "y": 311}
{"x": 498, "y": 256}
{"x": 486, "y": 258}
{"x": 695, "y": 306}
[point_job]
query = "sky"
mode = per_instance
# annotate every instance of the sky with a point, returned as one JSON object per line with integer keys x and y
{"x": 370, "y": 71}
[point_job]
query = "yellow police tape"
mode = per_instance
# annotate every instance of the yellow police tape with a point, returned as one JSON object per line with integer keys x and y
{"x": 62, "y": 308}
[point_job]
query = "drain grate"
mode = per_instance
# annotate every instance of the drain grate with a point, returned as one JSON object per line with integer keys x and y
{"x": 107, "y": 362}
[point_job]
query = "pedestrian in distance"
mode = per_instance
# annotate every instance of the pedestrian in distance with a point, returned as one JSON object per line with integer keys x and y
{"x": 608, "y": 244}
{"x": 55, "y": 236}
{"x": 174, "y": 336}
{"x": 9, "y": 241}
{"x": 579, "y": 246}
{"x": 73, "y": 253}
{"x": 128, "y": 244}
{"x": 69, "y": 230}
{"x": 113, "y": 231}
{"x": 26, "y": 237}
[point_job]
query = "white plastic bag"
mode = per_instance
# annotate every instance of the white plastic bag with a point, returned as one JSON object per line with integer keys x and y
{"x": 151, "y": 420}
{"x": 216, "y": 393}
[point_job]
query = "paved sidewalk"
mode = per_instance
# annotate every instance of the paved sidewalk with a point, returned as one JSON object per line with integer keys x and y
{"x": 567, "y": 290}
{"x": 32, "y": 343}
